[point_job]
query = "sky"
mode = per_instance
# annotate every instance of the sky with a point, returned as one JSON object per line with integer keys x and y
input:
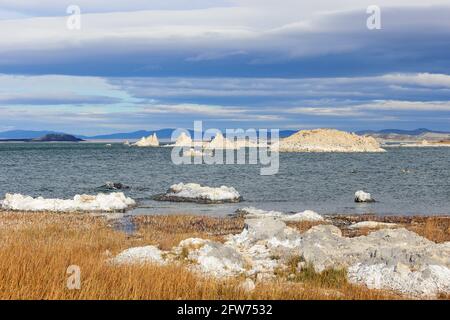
{"x": 286, "y": 64}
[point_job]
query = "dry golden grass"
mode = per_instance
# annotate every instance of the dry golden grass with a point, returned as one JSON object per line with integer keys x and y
{"x": 436, "y": 229}
{"x": 168, "y": 231}
{"x": 36, "y": 249}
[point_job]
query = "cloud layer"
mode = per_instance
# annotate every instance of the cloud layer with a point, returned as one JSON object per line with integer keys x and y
{"x": 148, "y": 64}
{"x": 353, "y": 103}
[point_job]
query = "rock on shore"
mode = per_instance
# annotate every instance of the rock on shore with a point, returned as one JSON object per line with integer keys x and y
{"x": 80, "y": 203}
{"x": 398, "y": 259}
{"x": 327, "y": 140}
{"x": 193, "y": 192}
{"x": 307, "y": 215}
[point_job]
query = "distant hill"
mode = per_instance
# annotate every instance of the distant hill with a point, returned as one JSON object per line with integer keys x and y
{"x": 57, "y": 137}
{"x": 416, "y": 132}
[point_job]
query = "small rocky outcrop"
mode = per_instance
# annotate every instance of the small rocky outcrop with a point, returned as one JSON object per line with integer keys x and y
{"x": 193, "y": 192}
{"x": 361, "y": 196}
{"x": 150, "y": 141}
{"x": 114, "y": 186}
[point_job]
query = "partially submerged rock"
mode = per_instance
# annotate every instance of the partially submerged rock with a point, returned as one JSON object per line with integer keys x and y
{"x": 114, "y": 186}
{"x": 193, "y": 192}
{"x": 99, "y": 203}
{"x": 192, "y": 152}
{"x": 361, "y": 196}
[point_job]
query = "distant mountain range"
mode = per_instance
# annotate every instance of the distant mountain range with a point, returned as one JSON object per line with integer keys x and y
{"x": 167, "y": 134}
{"x": 162, "y": 134}
{"x": 416, "y": 132}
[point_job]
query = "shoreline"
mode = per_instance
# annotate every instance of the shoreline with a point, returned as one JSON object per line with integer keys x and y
{"x": 91, "y": 241}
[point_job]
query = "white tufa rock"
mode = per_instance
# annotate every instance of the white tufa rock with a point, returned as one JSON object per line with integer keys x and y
{"x": 327, "y": 140}
{"x": 150, "y": 141}
{"x": 428, "y": 281}
{"x": 361, "y": 196}
{"x": 220, "y": 142}
{"x": 307, "y": 215}
{"x": 212, "y": 258}
{"x": 372, "y": 225}
{"x": 192, "y": 152}
{"x": 100, "y": 203}
{"x": 139, "y": 255}
{"x": 183, "y": 140}
{"x": 197, "y": 193}
{"x": 252, "y": 212}
{"x": 398, "y": 259}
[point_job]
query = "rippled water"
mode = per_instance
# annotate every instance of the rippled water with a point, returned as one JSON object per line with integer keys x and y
{"x": 403, "y": 180}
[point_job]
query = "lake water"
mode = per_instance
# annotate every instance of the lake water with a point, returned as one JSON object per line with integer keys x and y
{"x": 402, "y": 180}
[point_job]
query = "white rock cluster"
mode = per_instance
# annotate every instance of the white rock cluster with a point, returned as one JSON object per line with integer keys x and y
{"x": 219, "y": 142}
{"x": 100, "y": 203}
{"x": 396, "y": 259}
{"x": 193, "y": 192}
{"x": 150, "y": 141}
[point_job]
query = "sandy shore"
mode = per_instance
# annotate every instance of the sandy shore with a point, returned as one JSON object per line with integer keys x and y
{"x": 37, "y": 248}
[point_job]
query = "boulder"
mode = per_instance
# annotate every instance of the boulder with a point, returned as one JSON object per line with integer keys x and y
{"x": 264, "y": 228}
{"x": 361, "y": 196}
{"x": 139, "y": 255}
{"x": 193, "y": 192}
{"x": 324, "y": 247}
{"x": 427, "y": 281}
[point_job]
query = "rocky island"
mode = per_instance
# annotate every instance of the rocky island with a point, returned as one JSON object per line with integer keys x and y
{"x": 57, "y": 137}
{"x": 327, "y": 140}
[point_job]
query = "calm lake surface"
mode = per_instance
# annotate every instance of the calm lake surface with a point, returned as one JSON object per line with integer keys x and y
{"x": 402, "y": 180}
